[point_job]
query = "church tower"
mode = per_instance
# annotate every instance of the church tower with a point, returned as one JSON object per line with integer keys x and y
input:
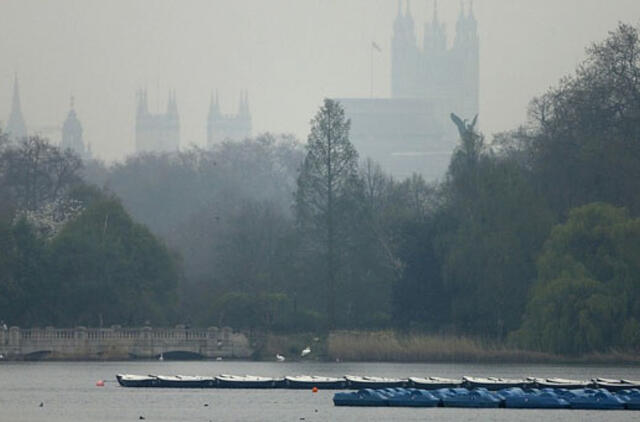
{"x": 157, "y": 132}
{"x": 213, "y": 117}
{"x": 222, "y": 127}
{"x": 466, "y": 62}
{"x": 16, "y": 127}
{"x": 72, "y": 134}
{"x": 404, "y": 55}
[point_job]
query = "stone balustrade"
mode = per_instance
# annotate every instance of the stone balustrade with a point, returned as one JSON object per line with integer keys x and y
{"x": 121, "y": 343}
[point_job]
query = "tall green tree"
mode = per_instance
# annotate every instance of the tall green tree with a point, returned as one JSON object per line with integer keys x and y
{"x": 328, "y": 175}
{"x": 107, "y": 269}
{"x": 587, "y": 296}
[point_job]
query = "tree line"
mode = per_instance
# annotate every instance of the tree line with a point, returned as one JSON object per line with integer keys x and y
{"x": 531, "y": 238}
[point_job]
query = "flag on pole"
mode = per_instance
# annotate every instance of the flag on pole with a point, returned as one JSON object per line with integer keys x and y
{"x": 376, "y": 46}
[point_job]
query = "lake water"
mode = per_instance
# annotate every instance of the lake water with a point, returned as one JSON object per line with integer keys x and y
{"x": 68, "y": 393}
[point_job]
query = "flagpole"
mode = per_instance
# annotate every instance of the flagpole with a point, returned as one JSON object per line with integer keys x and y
{"x": 371, "y": 70}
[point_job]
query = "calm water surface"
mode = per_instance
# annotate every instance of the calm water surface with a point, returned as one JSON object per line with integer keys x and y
{"x": 68, "y": 393}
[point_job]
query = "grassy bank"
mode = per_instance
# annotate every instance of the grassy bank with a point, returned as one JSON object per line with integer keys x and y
{"x": 389, "y": 346}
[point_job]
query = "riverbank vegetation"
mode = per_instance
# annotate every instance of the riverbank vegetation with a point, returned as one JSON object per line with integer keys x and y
{"x": 528, "y": 249}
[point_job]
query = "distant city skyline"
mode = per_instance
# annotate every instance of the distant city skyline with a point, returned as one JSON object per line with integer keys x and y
{"x": 287, "y": 54}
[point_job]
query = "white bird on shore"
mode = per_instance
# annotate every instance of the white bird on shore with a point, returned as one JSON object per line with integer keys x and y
{"x": 305, "y": 351}
{"x": 280, "y": 358}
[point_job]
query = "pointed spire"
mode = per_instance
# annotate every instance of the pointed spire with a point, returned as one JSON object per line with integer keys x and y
{"x": 72, "y": 132}
{"x": 142, "y": 102}
{"x": 408, "y": 11}
{"x": 399, "y": 23}
{"x": 172, "y": 105}
{"x": 461, "y": 26}
{"x": 214, "y": 105}
{"x": 15, "y": 125}
{"x": 16, "y": 93}
{"x": 435, "y": 11}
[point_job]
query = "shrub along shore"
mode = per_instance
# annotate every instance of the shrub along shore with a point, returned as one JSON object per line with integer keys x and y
{"x": 394, "y": 346}
{"x": 390, "y": 346}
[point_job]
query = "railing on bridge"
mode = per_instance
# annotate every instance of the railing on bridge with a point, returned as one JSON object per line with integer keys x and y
{"x": 118, "y": 342}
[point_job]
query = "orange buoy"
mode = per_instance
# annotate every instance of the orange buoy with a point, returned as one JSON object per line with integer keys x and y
{"x": 314, "y": 390}
{"x": 100, "y": 383}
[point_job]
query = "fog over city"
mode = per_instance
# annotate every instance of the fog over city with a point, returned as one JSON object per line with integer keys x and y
{"x": 287, "y": 54}
{"x": 430, "y": 203}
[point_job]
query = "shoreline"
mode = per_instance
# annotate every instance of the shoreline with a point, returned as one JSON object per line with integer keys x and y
{"x": 365, "y": 347}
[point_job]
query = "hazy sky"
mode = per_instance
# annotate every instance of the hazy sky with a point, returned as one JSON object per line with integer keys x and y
{"x": 288, "y": 54}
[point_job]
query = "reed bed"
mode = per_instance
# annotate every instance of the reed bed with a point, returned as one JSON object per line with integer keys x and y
{"x": 389, "y": 346}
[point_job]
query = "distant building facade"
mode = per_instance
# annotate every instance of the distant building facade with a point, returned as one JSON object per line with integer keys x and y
{"x": 72, "y": 135}
{"x": 411, "y": 131}
{"x": 221, "y": 127}
{"x": 158, "y": 132}
{"x": 16, "y": 127}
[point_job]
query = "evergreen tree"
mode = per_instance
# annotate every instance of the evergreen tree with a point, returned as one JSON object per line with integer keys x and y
{"x": 328, "y": 174}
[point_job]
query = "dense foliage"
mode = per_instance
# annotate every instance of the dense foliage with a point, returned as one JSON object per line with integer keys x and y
{"x": 530, "y": 238}
{"x": 70, "y": 254}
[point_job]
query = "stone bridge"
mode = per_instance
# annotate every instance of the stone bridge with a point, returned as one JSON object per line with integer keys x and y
{"x": 122, "y": 343}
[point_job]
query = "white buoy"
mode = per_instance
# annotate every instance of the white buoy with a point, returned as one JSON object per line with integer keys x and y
{"x": 305, "y": 351}
{"x": 280, "y": 358}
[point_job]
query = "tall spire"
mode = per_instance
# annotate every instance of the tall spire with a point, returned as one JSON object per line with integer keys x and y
{"x": 16, "y": 127}
{"x": 143, "y": 107}
{"x": 214, "y": 106}
{"x": 472, "y": 28}
{"x": 461, "y": 27}
{"x": 409, "y": 19}
{"x": 398, "y": 24}
{"x": 72, "y": 133}
{"x": 172, "y": 106}
{"x": 435, "y": 11}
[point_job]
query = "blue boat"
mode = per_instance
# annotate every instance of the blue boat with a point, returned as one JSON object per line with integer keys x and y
{"x": 533, "y": 399}
{"x": 477, "y": 398}
{"x": 631, "y": 398}
{"x": 412, "y": 397}
{"x": 588, "y": 398}
{"x": 365, "y": 397}
{"x": 441, "y": 393}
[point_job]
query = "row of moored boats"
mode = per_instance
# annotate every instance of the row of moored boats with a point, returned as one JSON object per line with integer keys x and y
{"x": 513, "y": 398}
{"x": 364, "y": 382}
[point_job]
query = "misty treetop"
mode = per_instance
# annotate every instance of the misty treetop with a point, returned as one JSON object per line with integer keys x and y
{"x": 70, "y": 254}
